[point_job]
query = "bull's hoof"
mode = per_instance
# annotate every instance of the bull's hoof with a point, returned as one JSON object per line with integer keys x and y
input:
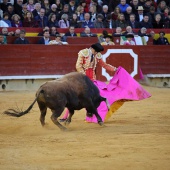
{"x": 101, "y": 123}
{"x": 63, "y": 128}
{"x": 62, "y": 120}
{"x": 67, "y": 122}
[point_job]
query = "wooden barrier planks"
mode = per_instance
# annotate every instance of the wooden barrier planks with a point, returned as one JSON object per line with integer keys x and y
{"x": 53, "y": 60}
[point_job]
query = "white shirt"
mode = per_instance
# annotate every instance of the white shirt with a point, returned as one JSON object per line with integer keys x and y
{"x": 54, "y": 42}
{"x": 3, "y": 24}
{"x": 140, "y": 17}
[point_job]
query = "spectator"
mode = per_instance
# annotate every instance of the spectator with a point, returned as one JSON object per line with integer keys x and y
{"x": 45, "y": 39}
{"x": 145, "y": 22}
{"x": 2, "y": 39}
{"x": 17, "y": 32}
{"x": 53, "y": 31}
{"x": 4, "y": 5}
{"x": 118, "y": 32}
{"x": 84, "y": 5}
{"x": 30, "y": 5}
{"x": 64, "y": 23}
{"x": 165, "y": 14}
{"x": 99, "y": 22}
{"x": 46, "y": 6}
{"x": 42, "y": 19}
{"x": 16, "y": 21}
{"x": 21, "y": 39}
{"x": 121, "y": 22}
{"x": 57, "y": 41}
{"x": 10, "y": 11}
{"x": 132, "y": 22}
{"x": 87, "y": 22}
{"x": 36, "y": 11}
{"x": 134, "y": 5}
{"x": 161, "y": 40}
{"x": 129, "y": 40}
{"x": 167, "y": 21}
{"x": 98, "y": 7}
{"x": 157, "y": 23}
{"x": 152, "y": 13}
{"x": 101, "y": 37}
{"x": 143, "y": 32}
{"x": 123, "y": 5}
{"x": 52, "y": 20}
{"x": 72, "y": 7}
{"x": 166, "y": 1}
{"x": 3, "y": 24}
{"x": 53, "y": 10}
{"x": 140, "y": 14}
{"x": 161, "y": 7}
{"x": 74, "y": 21}
{"x": 87, "y": 33}
{"x": 18, "y": 8}
{"x": 6, "y": 33}
{"x": 71, "y": 32}
{"x": 105, "y": 12}
{"x": 127, "y": 13}
{"x": 93, "y": 13}
{"x": 115, "y": 13}
{"x": 44, "y": 29}
{"x": 29, "y": 20}
{"x": 147, "y": 5}
{"x": 108, "y": 40}
{"x": 80, "y": 13}
{"x": 65, "y": 11}
{"x": 59, "y": 5}
{"x": 109, "y": 23}
{"x": 154, "y": 3}
{"x": 129, "y": 30}
{"x": 24, "y": 11}
{"x": 6, "y": 19}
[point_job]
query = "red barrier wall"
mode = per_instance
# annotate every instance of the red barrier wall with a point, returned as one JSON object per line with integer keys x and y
{"x": 53, "y": 60}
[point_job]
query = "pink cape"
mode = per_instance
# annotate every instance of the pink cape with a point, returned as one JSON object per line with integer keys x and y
{"x": 122, "y": 87}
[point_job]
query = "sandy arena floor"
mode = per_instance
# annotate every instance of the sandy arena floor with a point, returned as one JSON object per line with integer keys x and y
{"x": 136, "y": 137}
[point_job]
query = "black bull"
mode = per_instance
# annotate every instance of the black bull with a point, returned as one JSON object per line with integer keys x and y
{"x": 74, "y": 91}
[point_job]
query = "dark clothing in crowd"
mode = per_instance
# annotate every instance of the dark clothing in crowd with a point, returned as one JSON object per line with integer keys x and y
{"x": 21, "y": 41}
{"x": 161, "y": 41}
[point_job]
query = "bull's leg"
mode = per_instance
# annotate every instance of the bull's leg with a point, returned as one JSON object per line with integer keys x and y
{"x": 91, "y": 109}
{"x": 99, "y": 119}
{"x": 68, "y": 120}
{"x": 55, "y": 115}
{"x": 106, "y": 101}
{"x": 43, "y": 109}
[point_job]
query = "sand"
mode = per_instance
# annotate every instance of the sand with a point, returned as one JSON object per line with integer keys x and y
{"x": 136, "y": 137}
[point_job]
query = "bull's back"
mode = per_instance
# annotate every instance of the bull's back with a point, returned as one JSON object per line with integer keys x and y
{"x": 72, "y": 85}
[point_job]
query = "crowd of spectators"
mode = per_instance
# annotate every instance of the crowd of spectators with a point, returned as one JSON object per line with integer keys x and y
{"x": 85, "y": 13}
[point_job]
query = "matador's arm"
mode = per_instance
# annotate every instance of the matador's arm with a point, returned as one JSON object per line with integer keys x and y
{"x": 108, "y": 67}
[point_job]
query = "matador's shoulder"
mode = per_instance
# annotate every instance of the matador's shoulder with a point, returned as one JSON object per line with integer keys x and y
{"x": 99, "y": 56}
{"x": 84, "y": 52}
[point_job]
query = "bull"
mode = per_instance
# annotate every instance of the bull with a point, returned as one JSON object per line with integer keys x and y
{"x": 74, "y": 91}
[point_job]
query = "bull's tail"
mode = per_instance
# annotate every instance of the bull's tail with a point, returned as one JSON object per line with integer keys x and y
{"x": 15, "y": 113}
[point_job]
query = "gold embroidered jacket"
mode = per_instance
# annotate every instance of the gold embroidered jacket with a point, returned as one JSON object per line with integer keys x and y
{"x": 84, "y": 62}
